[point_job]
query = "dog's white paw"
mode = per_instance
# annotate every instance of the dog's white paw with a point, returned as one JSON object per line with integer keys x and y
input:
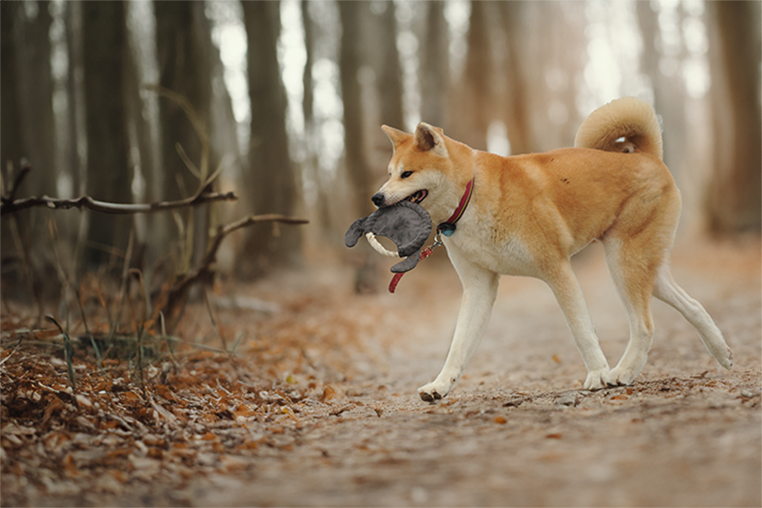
{"x": 723, "y": 354}
{"x": 597, "y": 379}
{"x": 435, "y": 391}
{"x": 622, "y": 376}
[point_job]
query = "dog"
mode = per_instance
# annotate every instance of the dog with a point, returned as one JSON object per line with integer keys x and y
{"x": 528, "y": 214}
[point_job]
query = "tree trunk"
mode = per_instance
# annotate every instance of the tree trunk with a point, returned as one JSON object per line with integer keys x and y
{"x": 435, "y": 67}
{"x": 669, "y": 91}
{"x": 183, "y": 69}
{"x": 11, "y": 140}
{"x": 320, "y": 192}
{"x": 390, "y": 79}
{"x": 477, "y": 94}
{"x": 733, "y": 199}
{"x": 109, "y": 176}
{"x": 517, "y": 117}
{"x": 381, "y": 97}
{"x": 270, "y": 181}
{"x": 75, "y": 96}
{"x": 183, "y": 43}
{"x": 350, "y": 61}
{"x": 36, "y": 90}
{"x": 12, "y": 143}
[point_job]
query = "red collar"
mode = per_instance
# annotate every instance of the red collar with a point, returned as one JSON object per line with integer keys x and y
{"x": 447, "y": 228}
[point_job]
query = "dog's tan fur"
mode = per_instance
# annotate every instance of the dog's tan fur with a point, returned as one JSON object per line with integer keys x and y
{"x": 530, "y": 213}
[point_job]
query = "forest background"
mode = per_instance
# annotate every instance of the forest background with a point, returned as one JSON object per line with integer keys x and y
{"x": 248, "y": 119}
{"x": 95, "y": 95}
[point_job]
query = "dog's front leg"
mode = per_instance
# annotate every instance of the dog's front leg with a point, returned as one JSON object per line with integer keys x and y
{"x": 479, "y": 292}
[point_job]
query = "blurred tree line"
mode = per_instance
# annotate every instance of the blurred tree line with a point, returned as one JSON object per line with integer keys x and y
{"x": 135, "y": 102}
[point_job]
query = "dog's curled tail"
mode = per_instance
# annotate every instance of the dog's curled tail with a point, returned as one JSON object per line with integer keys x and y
{"x": 629, "y": 118}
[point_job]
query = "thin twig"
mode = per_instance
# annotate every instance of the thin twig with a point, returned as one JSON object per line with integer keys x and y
{"x": 12, "y": 352}
{"x": 223, "y": 231}
{"x": 166, "y": 342}
{"x": 215, "y": 326}
{"x": 18, "y": 178}
{"x": 116, "y": 321}
{"x": 62, "y": 274}
{"x": 68, "y": 350}
{"x": 26, "y": 266}
{"x": 188, "y": 163}
{"x": 173, "y": 299}
{"x": 184, "y": 103}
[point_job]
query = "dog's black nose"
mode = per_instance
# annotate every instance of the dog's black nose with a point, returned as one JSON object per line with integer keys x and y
{"x": 378, "y": 199}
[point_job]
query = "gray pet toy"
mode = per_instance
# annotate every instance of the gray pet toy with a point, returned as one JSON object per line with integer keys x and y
{"x": 407, "y": 224}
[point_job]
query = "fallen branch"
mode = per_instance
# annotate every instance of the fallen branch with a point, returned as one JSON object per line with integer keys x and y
{"x": 10, "y": 205}
{"x": 112, "y": 208}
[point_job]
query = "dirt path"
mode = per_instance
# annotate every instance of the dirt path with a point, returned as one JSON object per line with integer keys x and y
{"x": 518, "y": 429}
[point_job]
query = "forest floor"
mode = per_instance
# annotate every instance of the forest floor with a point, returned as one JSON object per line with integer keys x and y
{"x": 318, "y": 407}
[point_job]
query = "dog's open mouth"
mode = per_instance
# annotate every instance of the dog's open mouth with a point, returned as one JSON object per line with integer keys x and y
{"x": 418, "y": 196}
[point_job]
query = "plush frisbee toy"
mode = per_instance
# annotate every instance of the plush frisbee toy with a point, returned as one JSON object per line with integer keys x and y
{"x": 407, "y": 224}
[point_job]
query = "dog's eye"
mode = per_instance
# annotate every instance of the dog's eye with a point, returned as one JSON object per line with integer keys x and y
{"x": 406, "y": 174}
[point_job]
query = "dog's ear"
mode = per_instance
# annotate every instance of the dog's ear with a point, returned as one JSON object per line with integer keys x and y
{"x": 428, "y": 137}
{"x": 395, "y": 136}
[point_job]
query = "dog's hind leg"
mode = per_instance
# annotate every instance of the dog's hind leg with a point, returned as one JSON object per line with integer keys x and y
{"x": 633, "y": 268}
{"x": 572, "y": 302}
{"x": 667, "y": 290}
{"x": 479, "y": 293}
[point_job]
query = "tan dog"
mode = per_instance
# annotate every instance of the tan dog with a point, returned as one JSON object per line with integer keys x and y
{"x": 528, "y": 214}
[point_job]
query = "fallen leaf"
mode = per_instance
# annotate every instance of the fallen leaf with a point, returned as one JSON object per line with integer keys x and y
{"x": 329, "y": 393}
{"x": 69, "y": 466}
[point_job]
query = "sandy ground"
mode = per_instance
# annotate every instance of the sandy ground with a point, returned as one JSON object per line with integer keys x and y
{"x": 518, "y": 429}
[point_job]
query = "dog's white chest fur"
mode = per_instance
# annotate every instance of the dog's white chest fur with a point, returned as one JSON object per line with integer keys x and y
{"x": 478, "y": 242}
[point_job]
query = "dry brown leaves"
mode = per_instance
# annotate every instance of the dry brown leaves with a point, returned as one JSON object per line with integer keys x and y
{"x": 195, "y": 413}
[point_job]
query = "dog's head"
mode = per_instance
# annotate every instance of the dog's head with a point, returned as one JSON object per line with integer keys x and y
{"x": 423, "y": 170}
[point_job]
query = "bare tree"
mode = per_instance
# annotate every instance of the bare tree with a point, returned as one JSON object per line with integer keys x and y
{"x": 36, "y": 94}
{"x": 109, "y": 175}
{"x": 389, "y": 74}
{"x": 270, "y": 181}
{"x": 11, "y": 142}
{"x": 517, "y": 116}
{"x": 350, "y": 62}
{"x": 181, "y": 28}
{"x": 669, "y": 91}
{"x": 435, "y": 67}
{"x": 381, "y": 101}
{"x": 312, "y": 163}
{"x": 733, "y": 198}
{"x": 476, "y": 91}
{"x": 183, "y": 43}
{"x": 12, "y": 139}
{"x": 75, "y": 95}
